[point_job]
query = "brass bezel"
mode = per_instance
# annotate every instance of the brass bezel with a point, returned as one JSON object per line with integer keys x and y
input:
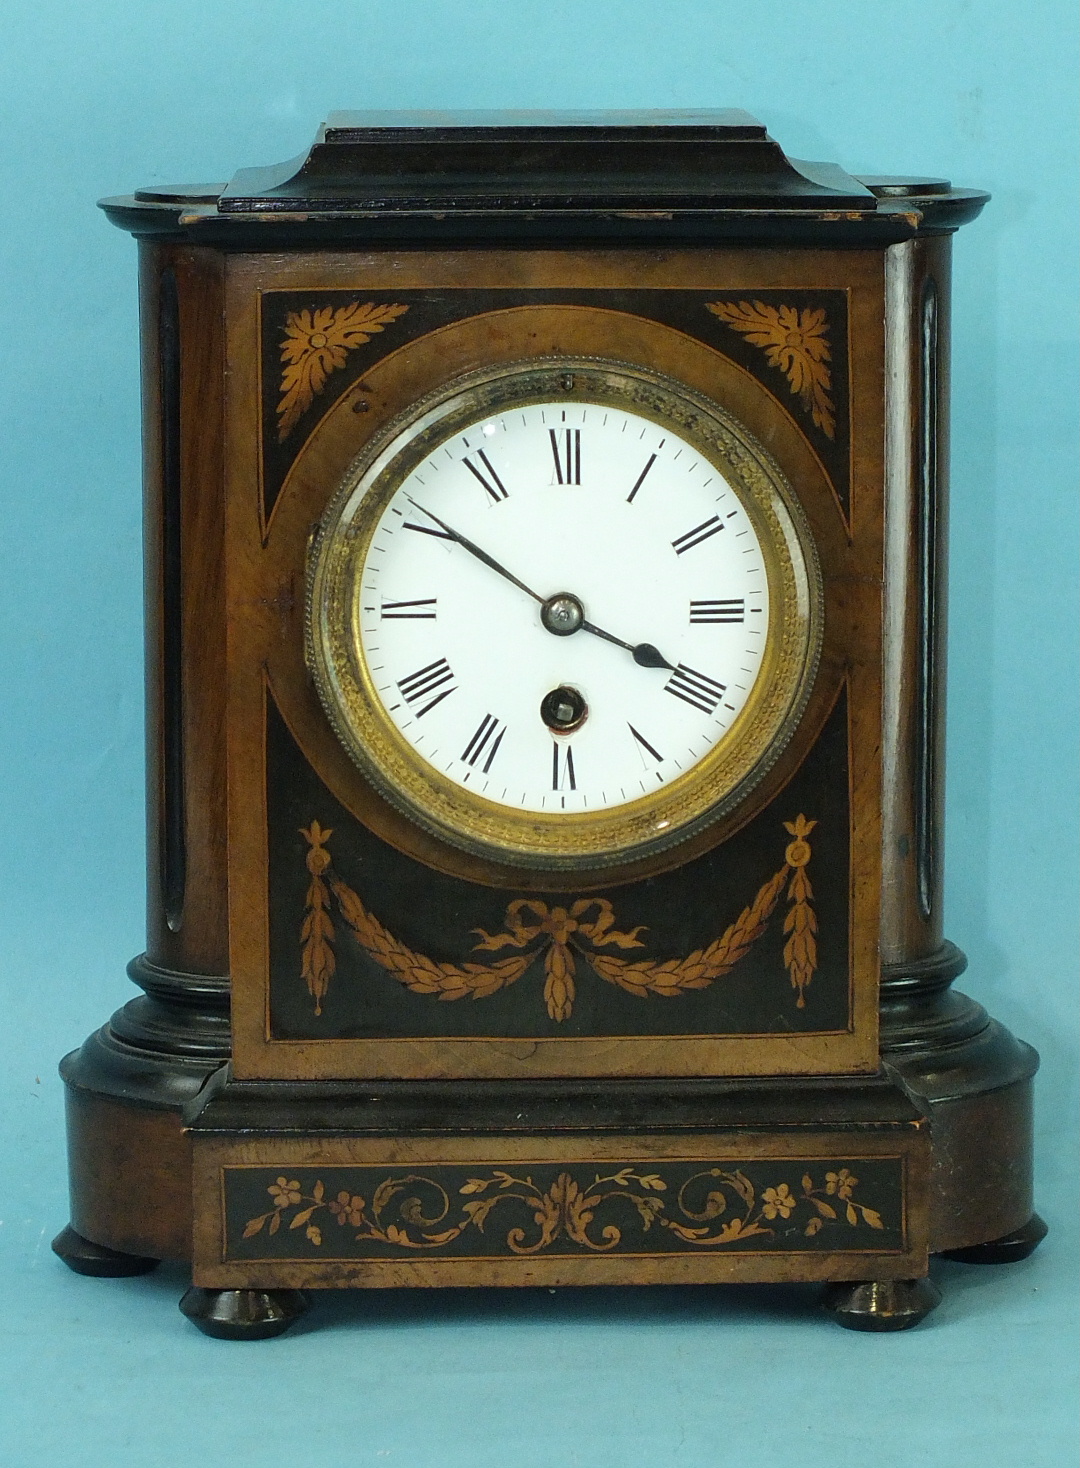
{"x": 563, "y": 841}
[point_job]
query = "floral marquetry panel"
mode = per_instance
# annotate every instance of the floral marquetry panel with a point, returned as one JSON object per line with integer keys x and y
{"x": 520, "y": 1209}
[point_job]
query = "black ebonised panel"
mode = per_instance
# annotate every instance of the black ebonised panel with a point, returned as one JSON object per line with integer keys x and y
{"x": 436, "y": 914}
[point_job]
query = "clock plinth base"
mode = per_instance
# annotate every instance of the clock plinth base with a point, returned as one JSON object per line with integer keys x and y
{"x": 243, "y": 1315}
{"x": 83, "y": 1257}
{"x": 1019, "y": 1244}
{"x": 309, "y": 1185}
{"x": 129, "y": 1161}
{"x": 881, "y": 1305}
{"x": 975, "y": 1080}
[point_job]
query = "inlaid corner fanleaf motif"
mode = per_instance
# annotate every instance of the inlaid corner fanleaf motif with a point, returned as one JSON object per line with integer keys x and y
{"x": 796, "y": 342}
{"x": 561, "y": 936}
{"x": 317, "y": 343}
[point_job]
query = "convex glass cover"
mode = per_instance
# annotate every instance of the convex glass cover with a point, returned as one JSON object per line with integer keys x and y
{"x": 563, "y": 613}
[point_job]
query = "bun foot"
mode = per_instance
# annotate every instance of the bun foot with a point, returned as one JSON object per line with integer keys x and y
{"x": 84, "y": 1257}
{"x": 243, "y": 1315}
{"x": 881, "y": 1304}
{"x": 1009, "y": 1249}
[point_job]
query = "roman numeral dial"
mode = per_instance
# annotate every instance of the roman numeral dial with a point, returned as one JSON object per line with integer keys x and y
{"x": 696, "y": 689}
{"x": 484, "y": 744}
{"x": 418, "y": 610}
{"x": 427, "y": 687}
{"x": 562, "y": 767}
{"x": 640, "y": 480}
{"x": 566, "y": 451}
{"x": 646, "y": 746}
{"x": 730, "y": 610}
{"x": 690, "y": 539}
{"x": 480, "y": 467}
{"x": 557, "y": 603}
{"x": 591, "y": 648}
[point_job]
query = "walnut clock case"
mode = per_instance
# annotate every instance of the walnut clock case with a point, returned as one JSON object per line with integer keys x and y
{"x": 545, "y": 556}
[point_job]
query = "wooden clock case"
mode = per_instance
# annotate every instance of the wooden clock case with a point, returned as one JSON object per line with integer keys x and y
{"x": 350, "y": 1128}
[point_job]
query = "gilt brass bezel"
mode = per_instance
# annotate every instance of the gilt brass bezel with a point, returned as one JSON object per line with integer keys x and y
{"x": 563, "y": 840}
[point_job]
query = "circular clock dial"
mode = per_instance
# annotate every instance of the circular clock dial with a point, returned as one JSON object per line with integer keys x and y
{"x": 549, "y": 615}
{"x": 603, "y": 522}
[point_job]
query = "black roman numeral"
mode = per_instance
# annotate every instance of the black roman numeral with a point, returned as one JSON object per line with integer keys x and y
{"x": 410, "y": 611}
{"x": 566, "y": 447}
{"x": 699, "y": 533}
{"x": 695, "y": 688}
{"x": 419, "y": 687}
{"x": 487, "y": 477}
{"x": 731, "y": 610}
{"x": 640, "y": 480}
{"x": 657, "y": 756}
{"x": 562, "y": 767}
{"x": 487, "y": 739}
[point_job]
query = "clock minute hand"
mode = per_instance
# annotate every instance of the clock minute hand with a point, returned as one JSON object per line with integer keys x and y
{"x": 643, "y": 653}
{"x": 474, "y": 550}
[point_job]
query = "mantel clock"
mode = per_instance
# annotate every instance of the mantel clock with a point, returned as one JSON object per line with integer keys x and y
{"x": 545, "y": 567}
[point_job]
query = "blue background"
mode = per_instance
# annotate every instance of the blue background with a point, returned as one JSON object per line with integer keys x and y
{"x": 101, "y": 97}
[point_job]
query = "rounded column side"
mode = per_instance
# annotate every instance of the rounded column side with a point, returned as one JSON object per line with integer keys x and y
{"x": 129, "y": 1159}
{"x": 973, "y": 1076}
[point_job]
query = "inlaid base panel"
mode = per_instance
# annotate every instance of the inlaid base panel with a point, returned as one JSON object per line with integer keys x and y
{"x": 310, "y": 1212}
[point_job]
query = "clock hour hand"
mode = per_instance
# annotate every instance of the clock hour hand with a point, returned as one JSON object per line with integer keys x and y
{"x": 644, "y": 654}
{"x": 561, "y": 614}
{"x": 564, "y": 614}
{"x": 474, "y": 550}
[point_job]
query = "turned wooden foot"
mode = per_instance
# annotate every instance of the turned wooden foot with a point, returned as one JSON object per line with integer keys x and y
{"x": 881, "y": 1304}
{"x": 1010, "y": 1248}
{"x": 129, "y": 1162}
{"x": 243, "y": 1315}
{"x": 84, "y": 1257}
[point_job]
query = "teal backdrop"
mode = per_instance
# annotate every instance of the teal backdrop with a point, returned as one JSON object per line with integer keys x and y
{"x": 100, "y": 97}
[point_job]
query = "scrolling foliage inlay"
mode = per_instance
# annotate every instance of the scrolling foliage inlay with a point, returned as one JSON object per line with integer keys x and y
{"x": 713, "y": 1206}
{"x": 562, "y": 935}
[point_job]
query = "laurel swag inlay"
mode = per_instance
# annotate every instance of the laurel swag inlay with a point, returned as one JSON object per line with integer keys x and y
{"x": 562, "y": 935}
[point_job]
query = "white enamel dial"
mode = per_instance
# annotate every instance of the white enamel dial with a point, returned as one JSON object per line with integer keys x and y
{"x": 627, "y": 521}
{"x": 562, "y": 628}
